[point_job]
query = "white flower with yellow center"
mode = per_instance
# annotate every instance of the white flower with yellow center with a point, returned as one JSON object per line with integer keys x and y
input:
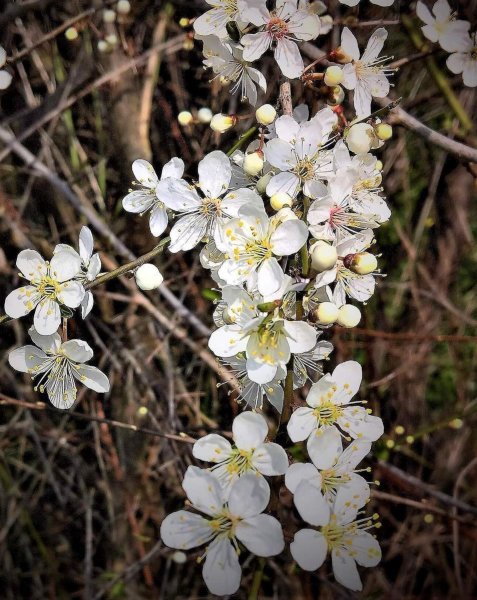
{"x": 253, "y": 241}
{"x": 280, "y": 29}
{"x": 149, "y": 196}
{"x": 348, "y": 282}
{"x": 51, "y": 285}
{"x": 249, "y": 454}
{"x": 330, "y": 405}
{"x": 365, "y": 74}
{"x": 298, "y": 152}
{"x": 464, "y": 58}
{"x": 214, "y": 21}
{"x": 331, "y": 470}
{"x": 202, "y": 214}
{"x": 56, "y": 367}
{"x": 222, "y": 525}
{"x": 337, "y": 531}
{"x": 90, "y": 265}
{"x": 441, "y": 25}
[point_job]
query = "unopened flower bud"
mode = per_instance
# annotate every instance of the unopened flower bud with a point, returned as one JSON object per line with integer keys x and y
{"x": 323, "y": 256}
{"x": 360, "y": 138}
{"x": 265, "y": 114}
{"x": 286, "y": 214}
{"x": 185, "y": 118}
{"x": 280, "y": 200}
{"x": 179, "y": 557}
{"x": 253, "y": 163}
{"x": 326, "y": 313}
{"x": 123, "y": 7}
{"x": 188, "y": 44}
{"x": 384, "y": 131}
{"x": 148, "y": 277}
{"x": 333, "y": 76}
{"x": 222, "y": 123}
{"x": 71, "y": 34}
{"x": 378, "y": 165}
{"x": 335, "y": 96}
{"x": 263, "y": 182}
{"x": 103, "y": 46}
{"x": 109, "y": 16}
{"x": 111, "y": 39}
{"x": 348, "y": 315}
{"x": 362, "y": 263}
{"x": 205, "y": 115}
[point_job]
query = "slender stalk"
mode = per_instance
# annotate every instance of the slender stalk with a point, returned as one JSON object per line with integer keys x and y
{"x": 242, "y": 139}
{"x": 257, "y": 580}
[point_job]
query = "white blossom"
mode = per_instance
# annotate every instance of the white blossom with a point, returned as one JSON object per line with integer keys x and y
{"x": 222, "y": 524}
{"x": 249, "y": 454}
{"x": 441, "y": 25}
{"x": 149, "y": 196}
{"x": 56, "y": 366}
{"x": 202, "y": 214}
{"x": 298, "y": 153}
{"x": 253, "y": 241}
{"x": 281, "y": 28}
{"x": 5, "y": 77}
{"x": 51, "y": 285}
{"x": 214, "y": 21}
{"x": 330, "y": 405}
{"x": 337, "y": 531}
{"x": 464, "y": 59}
{"x": 365, "y": 74}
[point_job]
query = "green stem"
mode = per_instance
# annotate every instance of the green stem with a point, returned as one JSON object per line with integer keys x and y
{"x": 438, "y": 76}
{"x": 288, "y": 394}
{"x": 242, "y": 139}
{"x": 129, "y": 266}
{"x": 257, "y": 580}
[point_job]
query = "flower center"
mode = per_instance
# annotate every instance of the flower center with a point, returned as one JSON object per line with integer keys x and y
{"x": 277, "y": 28}
{"x": 224, "y": 524}
{"x": 256, "y": 251}
{"x": 48, "y": 287}
{"x": 211, "y": 206}
{"x": 327, "y": 413}
{"x": 305, "y": 169}
{"x": 334, "y": 534}
{"x": 230, "y": 7}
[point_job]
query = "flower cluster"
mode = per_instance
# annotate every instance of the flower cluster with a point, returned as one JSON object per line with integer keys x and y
{"x": 454, "y": 36}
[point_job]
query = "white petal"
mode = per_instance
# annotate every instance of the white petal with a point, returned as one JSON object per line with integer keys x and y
{"x": 187, "y": 232}
{"x": 203, "y": 490}
{"x": 92, "y": 378}
{"x": 158, "y": 219}
{"x": 362, "y": 99}
{"x": 5, "y": 79}
{"x": 359, "y": 424}
{"x": 350, "y": 374}
{"x": 324, "y": 447}
{"x": 270, "y": 459}
{"x": 255, "y": 44}
{"x": 289, "y": 237}
{"x": 3, "y": 56}
{"x": 311, "y": 504}
{"x": 221, "y": 570}
{"x": 227, "y": 341}
{"x": 21, "y": 301}
{"x": 145, "y": 174}
{"x": 212, "y": 448}
{"x": 77, "y": 351}
{"x": 215, "y": 174}
{"x": 287, "y": 129}
{"x": 31, "y": 264}
{"x": 180, "y": 196}
{"x": 261, "y": 373}
{"x": 345, "y": 571}
{"x": 26, "y": 358}
{"x": 301, "y": 337}
{"x": 184, "y": 530}
{"x": 249, "y": 496}
{"x": 86, "y": 304}
{"x": 283, "y": 182}
{"x": 270, "y": 276}
{"x": 375, "y": 45}
{"x": 299, "y": 472}
{"x": 456, "y": 63}
{"x": 349, "y": 44}
{"x": 261, "y": 534}
{"x": 289, "y": 58}
{"x": 47, "y": 317}
{"x": 249, "y": 430}
{"x": 353, "y": 455}
{"x": 64, "y": 266}
{"x": 174, "y": 168}
{"x": 470, "y": 73}
{"x": 86, "y": 244}
{"x": 138, "y": 201}
{"x": 366, "y": 549}
{"x": 350, "y": 498}
{"x": 279, "y": 153}
{"x": 48, "y": 343}
{"x": 301, "y": 424}
{"x": 309, "y": 549}
{"x": 71, "y": 294}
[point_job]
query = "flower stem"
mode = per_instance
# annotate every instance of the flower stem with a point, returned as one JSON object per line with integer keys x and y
{"x": 128, "y": 266}
{"x": 257, "y": 580}
{"x": 242, "y": 139}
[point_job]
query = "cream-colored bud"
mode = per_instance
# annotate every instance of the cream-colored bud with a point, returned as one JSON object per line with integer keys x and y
{"x": 103, "y": 46}
{"x": 336, "y": 96}
{"x": 384, "y": 131}
{"x": 109, "y": 16}
{"x": 360, "y": 138}
{"x": 188, "y": 44}
{"x": 71, "y": 34}
{"x": 348, "y": 316}
{"x": 286, "y": 214}
{"x": 222, "y": 123}
{"x": 362, "y": 263}
{"x": 179, "y": 557}
{"x": 253, "y": 163}
{"x": 280, "y": 200}
{"x": 123, "y": 7}
{"x": 148, "y": 277}
{"x": 111, "y": 39}
{"x": 326, "y": 313}
{"x": 185, "y": 118}
{"x": 263, "y": 182}
{"x": 265, "y": 114}
{"x": 379, "y": 165}
{"x": 323, "y": 256}
{"x": 205, "y": 115}
{"x": 333, "y": 76}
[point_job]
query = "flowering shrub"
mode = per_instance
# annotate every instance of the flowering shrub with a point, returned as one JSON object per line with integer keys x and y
{"x": 287, "y": 229}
